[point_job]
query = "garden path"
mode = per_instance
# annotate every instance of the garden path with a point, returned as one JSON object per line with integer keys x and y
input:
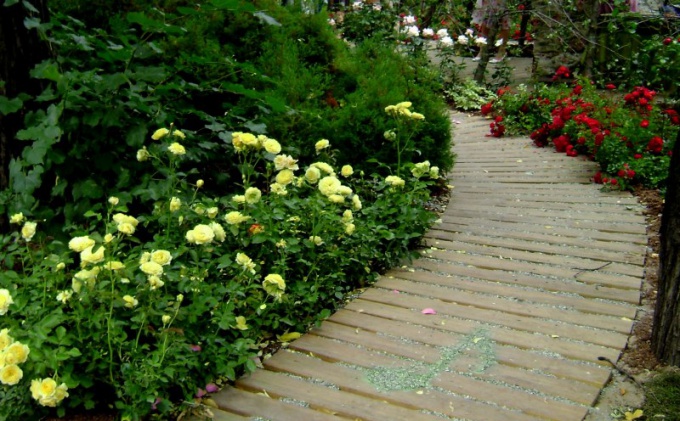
{"x": 533, "y": 274}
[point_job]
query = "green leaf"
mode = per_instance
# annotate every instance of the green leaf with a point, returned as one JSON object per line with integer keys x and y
{"x": 150, "y": 74}
{"x": 46, "y": 70}
{"x": 9, "y": 106}
{"x": 9, "y": 3}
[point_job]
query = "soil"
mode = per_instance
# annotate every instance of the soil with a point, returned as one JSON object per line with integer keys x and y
{"x": 637, "y": 364}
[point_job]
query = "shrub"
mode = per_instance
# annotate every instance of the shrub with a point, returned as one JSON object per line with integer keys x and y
{"x": 193, "y": 289}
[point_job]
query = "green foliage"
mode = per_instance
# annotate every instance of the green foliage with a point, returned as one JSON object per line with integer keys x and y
{"x": 359, "y": 23}
{"x": 195, "y": 287}
{"x": 631, "y": 138}
{"x": 663, "y": 397}
{"x": 468, "y": 95}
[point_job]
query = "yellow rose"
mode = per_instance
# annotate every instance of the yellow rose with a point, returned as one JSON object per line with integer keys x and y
{"x": 5, "y": 301}
{"x": 346, "y": 170}
{"x": 321, "y": 144}
{"x": 121, "y": 218}
{"x": 434, "y": 172}
{"x": 272, "y": 146}
{"x": 113, "y": 200}
{"x": 78, "y": 244}
{"x": 5, "y": 339}
{"x": 329, "y": 185}
{"x": 336, "y": 198}
{"x": 218, "y": 230}
{"x": 92, "y": 257}
{"x": 130, "y": 301}
{"x": 405, "y": 104}
{"x": 394, "y": 181}
{"x": 285, "y": 162}
{"x": 155, "y": 282}
{"x": 108, "y": 238}
{"x": 175, "y": 204}
{"x": 166, "y": 319}
{"x": 239, "y": 198}
{"x": 279, "y": 189}
{"x": 235, "y": 218}
{"x": 253, "y": 195}
{"x": 200, "y": 183}
{"x": 274, "y": 285}
{"x": 143, "y": 155}
{"x": 285, "y": 177}
{"x": 162, "y": 257}
{"x": 344, "y": 190}
{"x": 151, "y": 268}
{"x": 417, "y": 116}
{"x": 145, "y": 257}
{"x": 160, "y": 133}
{"x": 312, "y": 175}
{"x": 211, "y": 212}
{"x": 176, "y": 149}
{"x": 17, "y": 218}
{"x": 316, "y": 240}
{"x": 10, "y": 374}
{"x": 347, "y": 216}
{"x": 323, "y": 167}
{"x": 180, "y": 134}
{"x": 16, "y": 353}
{"x": 349, "y": 228}
{"x": 28, "y": 230}
{"x": 356, "y": 203}
{"x": 64, "y": 296}
{"x": 241, "y": 323}
{"x": 246, "y": 262}
{"x": 126, "y": 228}
{"x": 201, "y": 234}
{"x": 47, "y": 393}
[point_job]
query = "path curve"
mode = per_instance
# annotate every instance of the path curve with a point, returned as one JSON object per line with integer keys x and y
{"x": 533, "y": 274}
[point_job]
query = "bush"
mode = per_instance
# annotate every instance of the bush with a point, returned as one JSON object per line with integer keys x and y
{"x": 195, "y": 288}
{"x": 631, "y": 138}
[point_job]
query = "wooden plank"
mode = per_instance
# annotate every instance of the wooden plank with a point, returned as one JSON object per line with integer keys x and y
{"x": 217, "y": 415}
{"x": 337, "y": 351}
{"x": 390, "y": 319}
{"x": 425, "y": 349}
{"x": 329, "y": 399}
{"x": 461, "y": 223}
{"x": 445, "y": 258}
{"x": 354, "y": 381}
{"x": 558, "y": 286}
{"x": 559, "y": 250}
{"x": 249, "y": 404}
{"x": 525, "y": 256}
{"x": 602, "y": 315}
{"x": 512, "y": 204}
{"x": 576, "y": 327}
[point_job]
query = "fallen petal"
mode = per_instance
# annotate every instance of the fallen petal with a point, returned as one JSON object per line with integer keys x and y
{"x": 429, "y": 311}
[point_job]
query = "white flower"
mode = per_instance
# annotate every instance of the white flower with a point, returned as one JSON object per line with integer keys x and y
{"x": 412, "y": 31}
{"x": 480, "y": 41}
{"x": 409, "y": 20}
{"x": 469, "y": 32}
{"x": 442, "y": 33}
{"x": 499, "y": 42}
{"x": 462, "y": 40}
{"x": 357, "y": 5}
{"x": 428, "y": 33}
{"x": 331, "y": 22}
{"x": 446, "y": 41}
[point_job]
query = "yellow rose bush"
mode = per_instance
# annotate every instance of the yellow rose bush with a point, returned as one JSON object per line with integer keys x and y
{"x": 178, "y": 281}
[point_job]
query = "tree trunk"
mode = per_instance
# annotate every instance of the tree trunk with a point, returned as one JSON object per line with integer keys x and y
{"x": 666, "y": 331}
{"x": 20, "y": 50}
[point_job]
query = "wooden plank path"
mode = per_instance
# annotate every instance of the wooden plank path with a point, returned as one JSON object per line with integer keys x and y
{"x": 533, "y": 274}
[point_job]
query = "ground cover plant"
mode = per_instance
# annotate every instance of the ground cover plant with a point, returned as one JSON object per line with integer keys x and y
{"x": 242, "y": 189}
{"x": 627, "y": 133}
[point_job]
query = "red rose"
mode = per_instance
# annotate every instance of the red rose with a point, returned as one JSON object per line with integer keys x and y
{"x": 597, "y": 178}
{"x": 637, "y": 156}
{"x": 613, "y": 181}
{"x": 610, "y": 86}
{"x": 667, "y": 41}
{"x": 520, "y": 7}
{"x": 644, "y": 124}
{"x": 643, "y": 101}
{"x": 655, "y": 144}
{"x": 487, "y": 108}
{"x": 630, "y": 173}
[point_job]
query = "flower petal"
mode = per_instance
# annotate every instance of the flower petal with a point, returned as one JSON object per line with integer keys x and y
{"x": 428, "y": 311}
